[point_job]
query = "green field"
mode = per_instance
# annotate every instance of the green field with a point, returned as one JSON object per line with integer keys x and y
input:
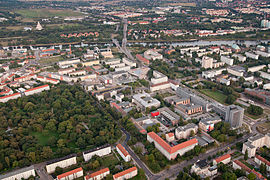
{"x": 216, "y": 95}
{"x": 44, "y": 138}
{"x": 45, "y": 13}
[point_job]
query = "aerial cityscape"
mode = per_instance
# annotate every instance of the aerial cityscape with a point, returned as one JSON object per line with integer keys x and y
{"x": 132, "y": 89}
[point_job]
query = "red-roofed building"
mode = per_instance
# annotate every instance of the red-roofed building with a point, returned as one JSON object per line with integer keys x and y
{"x": 239, "y": 165}
{"x": 167, "y": 150}
{"x": 47, "y": 80}
{"x": 98, "y": 175}
{"x": 4, "y": 99}
{"x": 76, "y": 173}
{"x": 260, "y": 160}
{"x": 170, "y": 137}
{"x": 25, "y": 78}
{"x": 144, "y": 60}
{"x": 123, "y": 152}
{"x": 127, "y": 174}
{"x": 225, "y": 159}
{"x": 37, "y": 90}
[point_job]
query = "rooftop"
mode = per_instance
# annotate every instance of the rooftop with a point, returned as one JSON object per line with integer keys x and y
{"x": 102, "y": 171}
{"x": 69, "y": 173}
{"x": 124, "y": 172}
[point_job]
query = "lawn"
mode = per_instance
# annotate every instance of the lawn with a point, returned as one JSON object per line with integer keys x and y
{"x": 44, "y": 138}
{"x": 50, "y": 60}
{"x": 45, "y": 13}
{"x": 216, "y": 95}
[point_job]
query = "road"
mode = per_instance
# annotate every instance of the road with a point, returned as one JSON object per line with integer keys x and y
{"x": 40, "y": 169}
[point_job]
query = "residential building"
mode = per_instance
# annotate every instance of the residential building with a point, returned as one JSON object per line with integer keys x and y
{"x": 144, "y": 100}
{"x": 262, "y": 95}
{"x": 260, "y": 160}
{"x": 112, "y": 61}
{"x": 6, "y": 98}
{"x": 234, "y": 115}
{"x": 70, "y": 175}
{"x": 203, "y": 169}
{"x": 99, "y": 175}
{"x": 212, "y": 73}
{"x": 35, "y": 90}
{"x": 264, "y": 75}
{"x": 183, "y": 132}
{"x": 47, "y": 80}
{"x": 99, "y": 151}
{"x": 77, "y": 73}
{"x": 142, "y": 59}
{"x": 239, "y": 165}
{"x": 126, "y": 174}
{"x": 237, "y": 71}
{"x": 61, "y": 162}
{"x": 66, "y": 70}
{"x": 227, "y": 60}
{"x": 256, "y": 68}
{"x": 263, "y": 54}
{"x": 68, "y": 62}
{"x": 107, "y": 54}
{"x": 129, "y": 62}
{"x": 255, "y": 142}
{"x": 123, "y": 153}
{"x": 23, "y": 173}
{"x": 25, "y": 78}
{"x": 251, "y": 55}
{"x": 170, "y": 137}
{"x": 225, "y": 159}
{"x": 207, "y": 62}
{"x": 91, "y": 63}
{"x": 168, "y": 151}
{"x": 240, "y": 57}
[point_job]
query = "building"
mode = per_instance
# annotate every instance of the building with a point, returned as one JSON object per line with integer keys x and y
{"x": 98, "y": 175}
{"x": 70, "y": 175}
{"x": 227, "y": 60}
{"x": 99, "y": 151}
{"x": 261, "y": 95}
{"x": 212, "y": 73}
{"x": 67, "y": 63}
{"x": 25, "y": 78}
{"x": 207, "y": 62}
{"x": 183, "y": 132}
{"x": 260, "y": 160}
{"x": 169, "y": 116}
{"x": 159, "y": 81}
{"x": 190, "y": 108}
{"x": 225, "y": 159}
{"x": 129, "y": 62}
{"x": 23, "y": 173}
{"x": 77, "y": 73}
{"x": 170, "y": 137}
{"x": 208, "y": 124}
{"x": 6, "y": 98}
{"x": 168, "y": 151}
{"x": 107, "y": 54}
{"x": 123, "y": 153}
{"x": 152, "y": 54}
{"x": 66, "y": 70}
{"x": 251, "y": 55}
{"x": 255, "y": 142}
{"x": 126, "y": 174}
{"x": 35, "y": 90}
{"x": 61, "y": 162}
{"x": 236, "y": 71}
{"x": 203, "y": 169}
{"x": 47, "y": 80}
{"x": 144, "y": 100}
{"x": 239, "y": 165}
{"x": 256, "y": 68}
{"x": 240, "y": 57}
{"x": 234, "y": 115}
{"x": 263, "y": 54}
{"x": 142, "y": 59}
{"x": 265, "y": 23}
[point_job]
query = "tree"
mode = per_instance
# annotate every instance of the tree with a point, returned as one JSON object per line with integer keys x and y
{"x": 246, "y": 155}
{"x": 230, "y": 99}
{"x": 7, "y": 161}
{"x": 255, "y": 110}
{"x": 251, "y": 176}
{"x": 263, "y": 168}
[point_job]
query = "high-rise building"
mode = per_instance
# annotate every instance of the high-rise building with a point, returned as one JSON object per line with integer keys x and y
{"x": 207, "y": 62}
{"x": 234, "y": 115}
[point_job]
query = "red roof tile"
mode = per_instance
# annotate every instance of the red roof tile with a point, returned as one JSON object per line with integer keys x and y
{"x": 123, "y": 150}
{"x": 124, "y": 172}
{"x": 167, "y": 147}
{"x": 39, "y": 87}
{"x": 221, "y": 158}
{"x": 102, "y": 171}
{"x": 69, "y": 173}
{"x": 4, "y": 97}
{"x": 263, "y": 160}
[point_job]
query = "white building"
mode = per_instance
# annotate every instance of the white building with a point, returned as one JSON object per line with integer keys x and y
{"x": 266, "y": 86}
{"x": 151, "y": 54}
{"x": 240, "y": 57}
{"x": 144, "y": 101}
{"x": 100, "y": 151}
{"x": 127, "y": 174}
{"x": 212, "y": 73}
{"x": 70, "y": 175}
{"x": 251, "y": 55}
{"x": 77, "y": 73}
{"x": 225, "y": 159}
{"x": 203, "y": 169}
{"x": 66, "y": 70}
{"x": 255, "y": 142}
{"x": 227, "y": 60}
{"x": 183, "y": 132}
{"x": 168, "y": 151}
{"x": 170, "y": 137}
{"x": 264, "y": 75}
{"x": 256, "y": 68}
{"x": 260, "y": 160}
{"x": 159, "y": 81}
{"x": 99, "y": 175}
{"x": 123, "y": 153}
{"x": 237, "y": 71}
{"x": 35, "y": 90}
{"x": 4, "y": 99}
{"x": 61, "y": 162}
{"x": 263, "y": 54}
{"x": 47, "y": 80}
{"x": 129, "y": 62}
{"x": 124, "y": 68}
{"x": 23, "y": 173}
{"x": 68, "y": 62}
{"x": 207, "y": 62}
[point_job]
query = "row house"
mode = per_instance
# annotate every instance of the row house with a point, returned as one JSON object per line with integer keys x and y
{"x": 70, "y": 175}
{"x": 123, "y": 153}
{"x": 98, "y": 175}
{"x": 127, "y": 174}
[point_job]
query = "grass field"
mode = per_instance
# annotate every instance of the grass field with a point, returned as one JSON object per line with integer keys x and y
{"x": 50, "y": 60}
{"x": 217, "y": 95}
{"x": 43, "y": 138}
{"x": 45, "y": 13}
